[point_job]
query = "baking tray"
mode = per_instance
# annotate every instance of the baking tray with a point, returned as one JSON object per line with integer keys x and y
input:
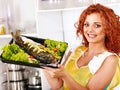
{"x": 40, "y": 65}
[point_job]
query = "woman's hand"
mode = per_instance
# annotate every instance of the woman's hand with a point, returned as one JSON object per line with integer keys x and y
{"x": 54, "y": 76}
{"x": 56, "y": 72}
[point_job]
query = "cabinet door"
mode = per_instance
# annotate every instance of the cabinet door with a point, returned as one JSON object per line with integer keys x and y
{"x": 55, "y": 35}
{"x": 49, "y": 21}
{"x": 70, "y": 17}
{"x": 49, "y": 25}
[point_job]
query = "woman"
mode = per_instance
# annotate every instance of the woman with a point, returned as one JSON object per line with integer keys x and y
{"x": 95, "y": 65}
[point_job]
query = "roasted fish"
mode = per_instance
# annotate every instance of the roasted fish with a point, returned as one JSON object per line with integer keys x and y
{"x": 33, "y": 49}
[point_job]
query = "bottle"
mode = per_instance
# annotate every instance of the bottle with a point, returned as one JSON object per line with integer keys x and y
{"x": 2, "y": 27}
{"x": 2, "y": 30}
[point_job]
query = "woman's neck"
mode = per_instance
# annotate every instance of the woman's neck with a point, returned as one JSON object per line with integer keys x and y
{"x": 96, "y": 48}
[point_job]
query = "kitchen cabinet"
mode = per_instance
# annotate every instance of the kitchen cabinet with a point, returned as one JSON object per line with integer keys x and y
{"x": 51, "y": 26}
{"x": 57, "y": 21}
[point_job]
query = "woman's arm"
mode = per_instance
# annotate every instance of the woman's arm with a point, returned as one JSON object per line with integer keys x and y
{"x": 99, "y": 80}
{"x": 105, "y": 74}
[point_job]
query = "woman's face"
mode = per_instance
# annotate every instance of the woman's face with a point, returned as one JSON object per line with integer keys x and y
{"x": 93, "y": 28}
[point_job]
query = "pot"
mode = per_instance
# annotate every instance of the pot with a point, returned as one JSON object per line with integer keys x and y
{"x": 34, "y": 79}
{"x": 15, "y": 67}
{"x": 20, "y": 85}
{"x": 16, "y": 75}
{"x": 17, "y": 85}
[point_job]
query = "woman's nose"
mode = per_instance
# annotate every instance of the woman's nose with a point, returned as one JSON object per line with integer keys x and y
{"x": 91, "y": 29}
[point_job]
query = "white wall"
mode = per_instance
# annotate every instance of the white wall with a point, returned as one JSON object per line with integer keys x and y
{"x": 20, "y": 13}
{"x": 23, "y": 13}
{"x": 23, "y": 10}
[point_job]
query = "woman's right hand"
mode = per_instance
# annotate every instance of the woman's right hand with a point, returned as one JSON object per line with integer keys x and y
{"x": 53, "y": 77}
{"x": 56, "y": 72}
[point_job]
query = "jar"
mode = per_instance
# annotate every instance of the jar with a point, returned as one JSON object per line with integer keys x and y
{"x": 2, "y": 27}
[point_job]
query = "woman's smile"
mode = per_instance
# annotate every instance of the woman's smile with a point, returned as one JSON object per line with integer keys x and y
{"x": 92, "y": 35}
{"x": 93, "y": 29}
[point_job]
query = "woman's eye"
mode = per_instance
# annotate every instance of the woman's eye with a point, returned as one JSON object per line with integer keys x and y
{"x": 97, "y": 26}
{"x": 86, "y": 25}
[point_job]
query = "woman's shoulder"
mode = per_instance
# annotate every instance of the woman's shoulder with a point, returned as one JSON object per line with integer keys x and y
{"x": 97, "y": 61}
{"x": 112, "y": 58}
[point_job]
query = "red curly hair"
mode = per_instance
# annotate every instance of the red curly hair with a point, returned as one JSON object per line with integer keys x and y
{"x": 111, "y": 25}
